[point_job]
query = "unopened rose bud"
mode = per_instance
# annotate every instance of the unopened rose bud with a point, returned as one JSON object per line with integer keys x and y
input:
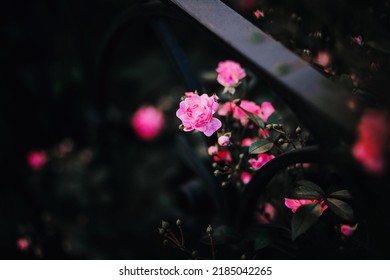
{"x": 224, "y": 184}
{"x": 269, "y": 126}
{"x": 210, "y": 230}
{"x": 165, "y": 225}
{"x": 243, "y": 257}
{"x": 215, "y": 165}
{"x": 195, "y": 254}
{"x": 298, "y": 130}
{"x": 281, "y": 141}
{"x": 224, "y": 140}
{"x": 179, "y": 222}
{"x": 161, "y": 231}
{"x": 165, "y": 242}
{"x": 217, "y": 172}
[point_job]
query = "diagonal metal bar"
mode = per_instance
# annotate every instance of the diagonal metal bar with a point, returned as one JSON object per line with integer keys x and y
{"x": 319, "y": 103}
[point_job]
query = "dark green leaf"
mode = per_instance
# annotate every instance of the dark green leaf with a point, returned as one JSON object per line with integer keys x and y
{"x": 260, "y": 146}
{"x": 304, "y": 218}
{"x": 343, "y": 194}
{"x": 303, "y": 192}
{"x": 254, "y": 118}
{"x": 274, "y": 135}
{"x": 275, "y": 118}
{"x": 306, "y": 190}
{"x": 340, "y": 208}
{"x": 262, "y": 241}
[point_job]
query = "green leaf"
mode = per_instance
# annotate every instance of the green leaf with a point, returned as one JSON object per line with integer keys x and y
{"x": 343, "y": 194}
{"x": 304, "y": 218}
{"x": 275, "y": 118}
{"x": 340, "y": 208}
{"x": 260, "y": 146}
{"x": 254, "y": 118}
{"x": 262, "y": 241}
{"x": 307, "y": 190}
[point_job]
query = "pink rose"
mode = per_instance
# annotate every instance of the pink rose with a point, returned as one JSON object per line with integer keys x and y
{"x": 246, "y": 177}
{"x": 230, "y": 73}
{"x": 223, "y": 155}
{"x": 260, "y": 161}
{"x": 373, "y": 137}
{"x": 347, "y": 230}
{"x": 258, "y": 14}
{"x": 36, "y": 159}
{"x": 224, "y": 140}
{"x": 23, "y": 244}
{"x": 294, "y": 204}
{"x": 147, "y": 122}
{"x": 266, "y": 110}
{"x": 322, "y": 59}
{"x": 267, "y": 213}
{"x": 212, "y": 150}
{"x": 196, "y": 112}
{"x": 246, "y": 142}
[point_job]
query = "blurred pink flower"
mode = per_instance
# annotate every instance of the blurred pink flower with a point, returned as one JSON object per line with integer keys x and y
{"x": 23, "y": 244}
{"x": 264, "y": 133}
{"x": 246, "y": 177}
{"x": 373, "y": 137}
{"x": 237, "y": 112}
{"x": 147, "y": 122}
{"x": 223, "y": 155}
{"x": 322, "y": 58}
{"x": 230, "y": 73}
{"x": 212, "y": 150}
{"x": 258, "y": 14}
{"x": 294, "y": 204}
{"x": 266, "y": 110}
{"x": 246, "y": 142}
{"x": 347, "y": 230}
{"x": 260, "y": 161}
{"x": 358, "y": 40}
{"x": 36, "y": 159}
{"x": 267, "y": 213}
{"x": 224, "y": 140}
{"x": 196, "y": 112}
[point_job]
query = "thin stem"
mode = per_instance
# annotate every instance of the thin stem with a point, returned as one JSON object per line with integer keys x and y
{"x": 212, "y": 247}
{"x": 181, "y": 236}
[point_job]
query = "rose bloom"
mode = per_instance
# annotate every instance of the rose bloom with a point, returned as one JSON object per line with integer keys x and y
{"x": 196, "y": 112}
{"x": 36, "y": 159}
{"x": 373, "y": 136}
{"x": 246, "y": 142}
{"x": 237, "y": 112}
{"x": 246, "y": 177}
{"x": 260, "y": 161}
{"x": 294, "y": 204}
{"x": 212, "y": 150}
{"x": 224, "y": 140}
{"x": 322, "y": 59}
{"x": 23, "y": 244}
{"x": 230, "y": 73}
{"x": 347, "y": 230}
{"x": 266, "y": 110}
{"x": 267, "y": 213}
{"x": 147, "y": 122}
{"x": 223, "y": 155}
{"x": 258, "y": 14}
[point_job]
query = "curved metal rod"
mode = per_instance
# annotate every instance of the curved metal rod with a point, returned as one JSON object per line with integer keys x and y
{"x": 266, "y": 173}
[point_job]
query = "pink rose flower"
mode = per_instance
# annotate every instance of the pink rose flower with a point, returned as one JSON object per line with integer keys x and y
{"x": 264, "y": 133}
{"x": 147, "y": 122}
{"x": 322, "y": 59}
{"x": 246, "y": 142}
{"x": 358, "y": 40}
{"x": 266, "y": 110}
{"x": 224, "y": 140}
{"x": 258, "y": 14}
{"x": 22, "y": 244}
{"x": 196, "y": 112}
{"x": 36, "y": 159}
{"x": 230, "y": 73}
{"x": 260, "y": 161}
{"x": 373, "y": 137}
{"x": 223, "y": 155}
{"x": 246, "y": 177}
{"x": 267, "y": 213}
{"x": 212, "y": 150}
{"x": 294, "y": 204}
{"x": 347, "y": 230}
